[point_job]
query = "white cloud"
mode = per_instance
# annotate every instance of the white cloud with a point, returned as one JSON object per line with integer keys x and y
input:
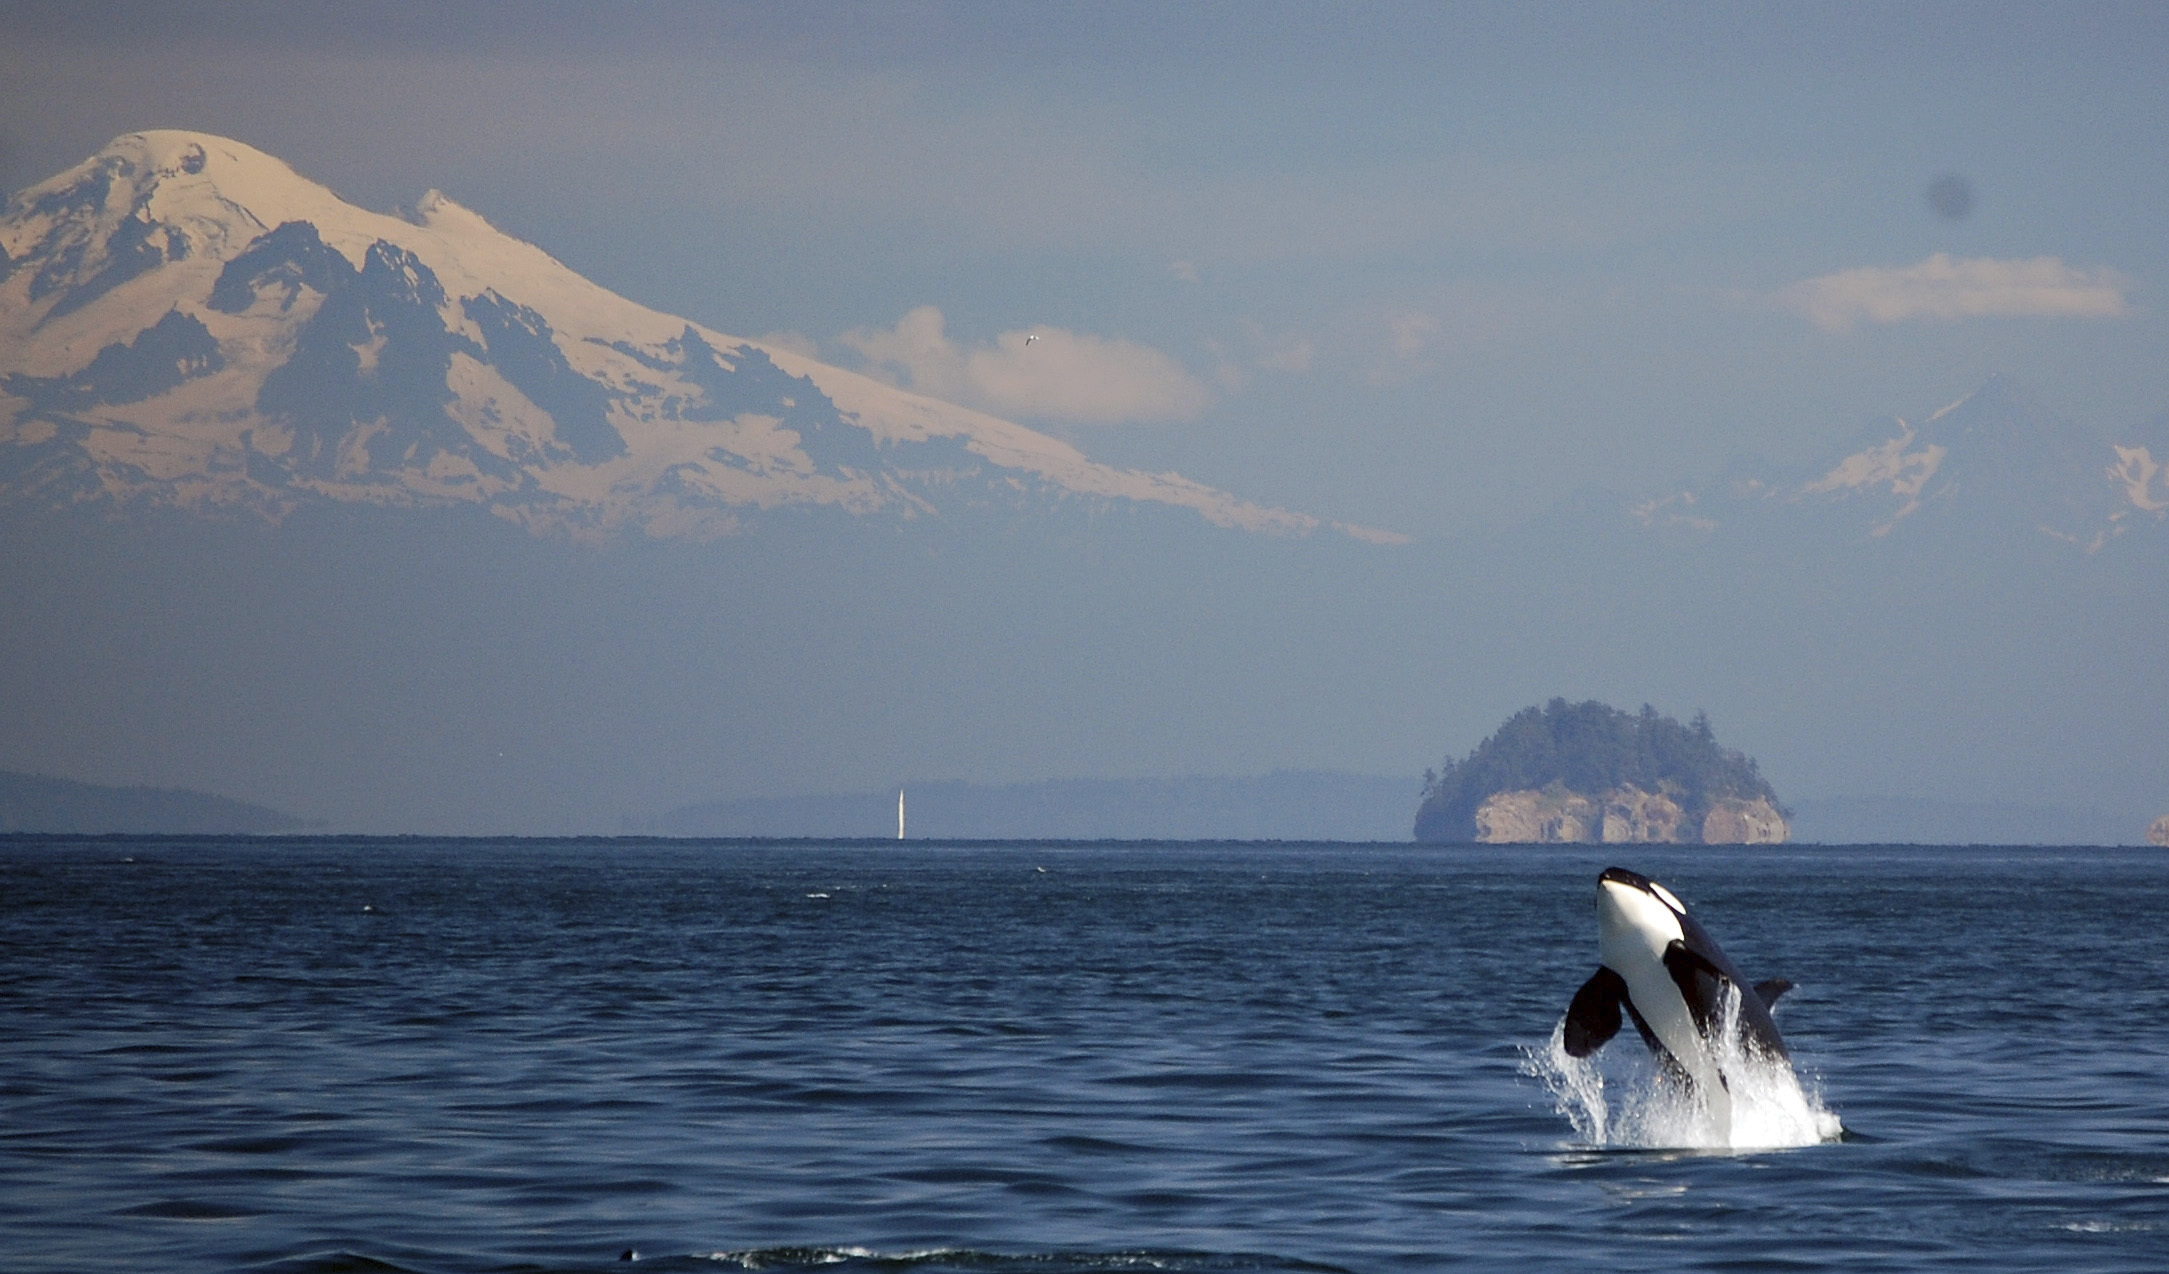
{"x": 1046, "y": 372}
{"x": 1943, "y": 287}
{"x": 796, "y": 342}
{"x": 1413, "y": 334}
{"x": 1410, "y": 351}
{"x": 1257, "y": 350}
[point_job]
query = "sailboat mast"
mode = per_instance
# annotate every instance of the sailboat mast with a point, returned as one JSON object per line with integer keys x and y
{"x": 899, "y": 813}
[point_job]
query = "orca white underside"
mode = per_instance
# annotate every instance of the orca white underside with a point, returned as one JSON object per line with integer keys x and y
{"x": 1634, "y": 929}
{"x": 1687, "y": 999}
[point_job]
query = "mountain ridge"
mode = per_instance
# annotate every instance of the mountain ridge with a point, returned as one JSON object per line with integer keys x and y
{"x": 37, "y": 803}
{"x": 186, "y": 319}
{"x": 1995, "y": 459}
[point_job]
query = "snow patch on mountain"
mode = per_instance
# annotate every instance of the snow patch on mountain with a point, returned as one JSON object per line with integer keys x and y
{"x": 2145, "y": 480}
{"x": 1890, "y": 464}
{"x": 1995, "y": 460}
{"x": 188, "y": 321}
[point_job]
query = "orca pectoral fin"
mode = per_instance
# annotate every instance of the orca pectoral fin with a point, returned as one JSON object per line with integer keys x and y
{"x": 1592, "y": 1017}
{"x": 1769, "y": 989}
{"x": 1683, "y": 961}
{"x": 1698, "y": 980}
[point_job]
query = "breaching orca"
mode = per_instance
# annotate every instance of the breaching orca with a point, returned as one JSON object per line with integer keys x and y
{"x": 1678, "y": 986}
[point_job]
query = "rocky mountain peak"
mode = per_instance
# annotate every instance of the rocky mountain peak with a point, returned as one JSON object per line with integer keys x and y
{"x": 1996, "y": 466}
{"x": 187, "y": 321}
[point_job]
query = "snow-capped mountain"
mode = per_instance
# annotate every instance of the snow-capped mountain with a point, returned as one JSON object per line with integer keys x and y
{"x": 186, "y": 321}
{"x": 1995, "y": 462}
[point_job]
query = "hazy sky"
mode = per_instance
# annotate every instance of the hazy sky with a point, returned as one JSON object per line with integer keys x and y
{"x": 1430, "y": 268}
{"x": 1417, "y": 266}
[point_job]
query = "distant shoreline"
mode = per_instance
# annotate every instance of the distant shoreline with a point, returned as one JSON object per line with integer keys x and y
{"x": 620, "y": 840}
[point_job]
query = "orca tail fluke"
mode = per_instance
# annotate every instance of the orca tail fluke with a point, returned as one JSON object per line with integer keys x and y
{"x": 1592, "y": 1017}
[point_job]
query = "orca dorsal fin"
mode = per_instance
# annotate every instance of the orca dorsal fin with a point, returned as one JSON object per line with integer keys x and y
{"x": 1592, "y": 1017}
{"x": 1769, "y": 989}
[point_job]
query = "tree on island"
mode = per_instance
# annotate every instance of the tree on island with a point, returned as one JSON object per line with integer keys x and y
{"x": 1589, "y": 750}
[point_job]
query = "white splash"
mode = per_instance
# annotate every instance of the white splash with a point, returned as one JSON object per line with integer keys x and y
{"x": 1621, "y": 1098}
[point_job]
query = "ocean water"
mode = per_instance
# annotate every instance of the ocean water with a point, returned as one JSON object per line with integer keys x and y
{"x": 410, "y": 1055}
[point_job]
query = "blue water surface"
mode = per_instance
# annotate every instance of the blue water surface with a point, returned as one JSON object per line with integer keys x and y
{"x": 402, "y": 1055}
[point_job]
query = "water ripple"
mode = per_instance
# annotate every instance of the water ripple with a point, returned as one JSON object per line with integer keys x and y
{"x": 540, "y": 1057}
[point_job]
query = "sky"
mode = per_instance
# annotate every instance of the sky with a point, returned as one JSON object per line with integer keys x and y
{"x": 1432, "y": 268}
{"x": 1419, "y": 266}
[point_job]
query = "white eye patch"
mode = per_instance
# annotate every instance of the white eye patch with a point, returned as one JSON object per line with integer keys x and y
{"x": 1665, "y": 896}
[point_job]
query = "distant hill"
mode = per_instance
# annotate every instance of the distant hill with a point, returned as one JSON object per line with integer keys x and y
{"x": 1286, "y": 805}
{"x": 34, "y": 803}
{"x": 1573, "y": 772}
{"x": 1903, "y": 820}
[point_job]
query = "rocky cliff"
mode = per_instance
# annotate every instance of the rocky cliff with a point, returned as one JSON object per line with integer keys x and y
{"x": 1589, "y": 773}
{"x": 1733, "y": 821}
{"x": 1624, "y": 815}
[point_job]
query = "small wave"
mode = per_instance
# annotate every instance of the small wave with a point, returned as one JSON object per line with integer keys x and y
{"x": 1621, "y": 1099}
{"x": 334, "y": 1262}
{"x": 935, "y": 1260}
{"x": 188, "y": 1210}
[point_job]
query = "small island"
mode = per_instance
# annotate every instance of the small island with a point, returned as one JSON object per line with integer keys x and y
{"x": 1572, "y": 773}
